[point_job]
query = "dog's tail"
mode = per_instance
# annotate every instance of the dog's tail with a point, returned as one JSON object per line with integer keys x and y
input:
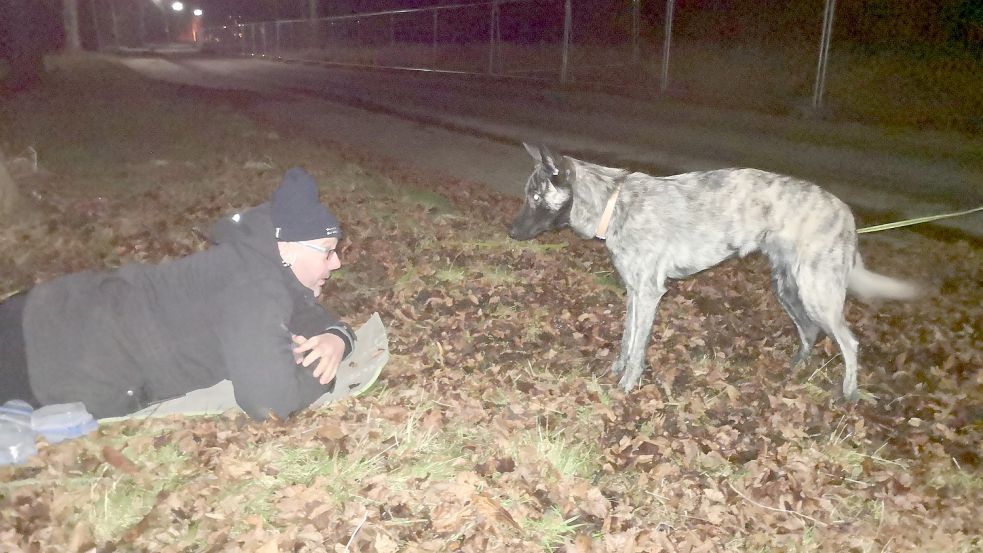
{"x": 870, "y": 285}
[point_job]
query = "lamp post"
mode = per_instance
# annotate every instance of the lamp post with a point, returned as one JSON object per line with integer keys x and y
{"x": 176, "y": 7}
{"x": 196, "y": 23}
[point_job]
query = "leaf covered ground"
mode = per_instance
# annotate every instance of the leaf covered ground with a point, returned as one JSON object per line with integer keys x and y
{"x": 496, "y": 425}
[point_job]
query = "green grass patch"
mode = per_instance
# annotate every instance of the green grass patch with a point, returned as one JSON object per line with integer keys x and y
{"x": 552, "y": 530}
{"x": 496, "y": 275}
{"x": 301, "y": 466}
{"x": 451, "y": 275}
{"x": 571, "y": 457}
{"x": 957, "y": 481}
{"x": 352, "y": 178}
{"x": 427, "y": 454}
{"x": 250, "y": 498}
{"x": 608, "y": 280}
{"x": 411, "y": 279}
{"x": 127, "y": 121}
{"x": 434, "y": 202}
{"x": 603, "y": 391}
{"x": 120, "y": 502}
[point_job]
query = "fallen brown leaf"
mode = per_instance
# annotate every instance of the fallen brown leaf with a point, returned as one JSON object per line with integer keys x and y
{"x": 117, "y": 459}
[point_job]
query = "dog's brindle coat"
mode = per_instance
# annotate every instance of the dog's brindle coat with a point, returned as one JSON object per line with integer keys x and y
{"x": 674, "y": 227}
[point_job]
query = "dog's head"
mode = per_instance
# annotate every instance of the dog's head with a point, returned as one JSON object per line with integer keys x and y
{"x": 548, "y": 195}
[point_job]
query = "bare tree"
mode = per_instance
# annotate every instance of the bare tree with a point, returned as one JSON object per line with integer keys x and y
{"x": 70, "y": 16}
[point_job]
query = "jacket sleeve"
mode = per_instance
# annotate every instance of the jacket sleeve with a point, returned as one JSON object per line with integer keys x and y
{"x": 311, "y": 319}
{"x": 256, "y": 347}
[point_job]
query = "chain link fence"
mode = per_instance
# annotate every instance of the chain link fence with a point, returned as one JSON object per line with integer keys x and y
{"x": 121, "y": 24}
{"x": 914, "y": 63}
{"x": 917, "y": 63}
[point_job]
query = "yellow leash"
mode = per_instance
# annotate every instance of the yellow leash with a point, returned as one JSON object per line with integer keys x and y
{"x": 919, "y": 220}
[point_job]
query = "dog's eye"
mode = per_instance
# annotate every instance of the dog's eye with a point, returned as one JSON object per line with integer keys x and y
{"x": 535, "y": 197}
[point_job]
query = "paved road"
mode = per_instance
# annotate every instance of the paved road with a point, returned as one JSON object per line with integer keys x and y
{"x": 471, "y": 128}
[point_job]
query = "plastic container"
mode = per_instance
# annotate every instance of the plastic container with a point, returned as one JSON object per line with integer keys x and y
{"x": 17, "y": 406}
{"x": 56, "y": 423}
{"x": 16, "y": 411}
{"x": 16, "y": 442}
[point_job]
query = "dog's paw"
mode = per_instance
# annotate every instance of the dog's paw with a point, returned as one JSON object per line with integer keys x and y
{"x": 629, "y": 381}
{"x": 618, "y": 367}
{"x": 850, "y": 394}
{"x": 799, "y": 359}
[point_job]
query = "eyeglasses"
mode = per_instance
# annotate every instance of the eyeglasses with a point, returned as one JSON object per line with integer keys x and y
{"x": 327, "y": 253}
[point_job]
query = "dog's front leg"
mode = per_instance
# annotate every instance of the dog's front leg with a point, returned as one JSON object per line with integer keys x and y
{"x": 643, "y": 304}
{"x": 627, "y": 335}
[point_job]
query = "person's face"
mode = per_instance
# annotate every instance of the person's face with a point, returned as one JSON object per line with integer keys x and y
{"x": 312, "y": 261}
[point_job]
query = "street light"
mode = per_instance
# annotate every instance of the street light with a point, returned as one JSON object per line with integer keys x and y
{"x": 177, "y": 6}
{"x": 196, "y": 23}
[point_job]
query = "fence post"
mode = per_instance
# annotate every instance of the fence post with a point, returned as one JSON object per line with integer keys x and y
{"x": 276, "y": 39}
{"x": 433, "y": 50}
{"x": 95, "y": 23}
{"x": 670, "y": 4}
{"x": 824, "y": 40}
{"x": 491, "y": 37}
{"x": 165, "y": 16}
{"x": 567, "y": 23}
{"x": 141, "y": 23}
{"x": 313, "y": 42}
{"x": 115, "y": 20}
{"x": 636, "y": 26}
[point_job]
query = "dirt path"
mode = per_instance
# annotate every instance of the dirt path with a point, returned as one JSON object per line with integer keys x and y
{"x": 471, "y": 130}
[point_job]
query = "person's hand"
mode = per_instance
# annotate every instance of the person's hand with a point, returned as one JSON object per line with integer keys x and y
{"x": 327, "y": 349}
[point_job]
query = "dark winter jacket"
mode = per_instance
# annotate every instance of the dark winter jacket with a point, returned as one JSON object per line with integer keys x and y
{"x": 120, "y": 340}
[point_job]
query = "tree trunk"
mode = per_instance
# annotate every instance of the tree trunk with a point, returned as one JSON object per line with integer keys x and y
{"x": 70, "y": 15}
{"x": 9, "y": 198}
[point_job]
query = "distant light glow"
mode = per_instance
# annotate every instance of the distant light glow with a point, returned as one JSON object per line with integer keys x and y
{"x": 177, "y": 6}
{"x": 197, "y": 12}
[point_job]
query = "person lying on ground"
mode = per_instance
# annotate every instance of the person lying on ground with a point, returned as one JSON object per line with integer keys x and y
{"x": 243, "y": 309}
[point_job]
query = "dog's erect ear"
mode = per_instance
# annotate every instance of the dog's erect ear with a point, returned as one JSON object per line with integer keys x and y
{"x": 549, "y": 160}
{"x": 566, "y": 171}
{"x": 533, "y": 151}
{"x": 543, "y": 155}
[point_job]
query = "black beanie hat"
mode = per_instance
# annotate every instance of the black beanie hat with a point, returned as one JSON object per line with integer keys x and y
{"x": 298, "y": 214}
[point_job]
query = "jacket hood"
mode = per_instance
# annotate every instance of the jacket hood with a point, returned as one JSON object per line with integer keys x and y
{"x": 251, "y": 231}
{"x": 252, "y": 228}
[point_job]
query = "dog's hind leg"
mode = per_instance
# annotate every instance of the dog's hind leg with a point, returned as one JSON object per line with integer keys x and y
{"x": 823, "y": 294}
{"x": 788, "y": 296}
{"x": 848, "y": 345}
{"x": 638, "y": 323}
